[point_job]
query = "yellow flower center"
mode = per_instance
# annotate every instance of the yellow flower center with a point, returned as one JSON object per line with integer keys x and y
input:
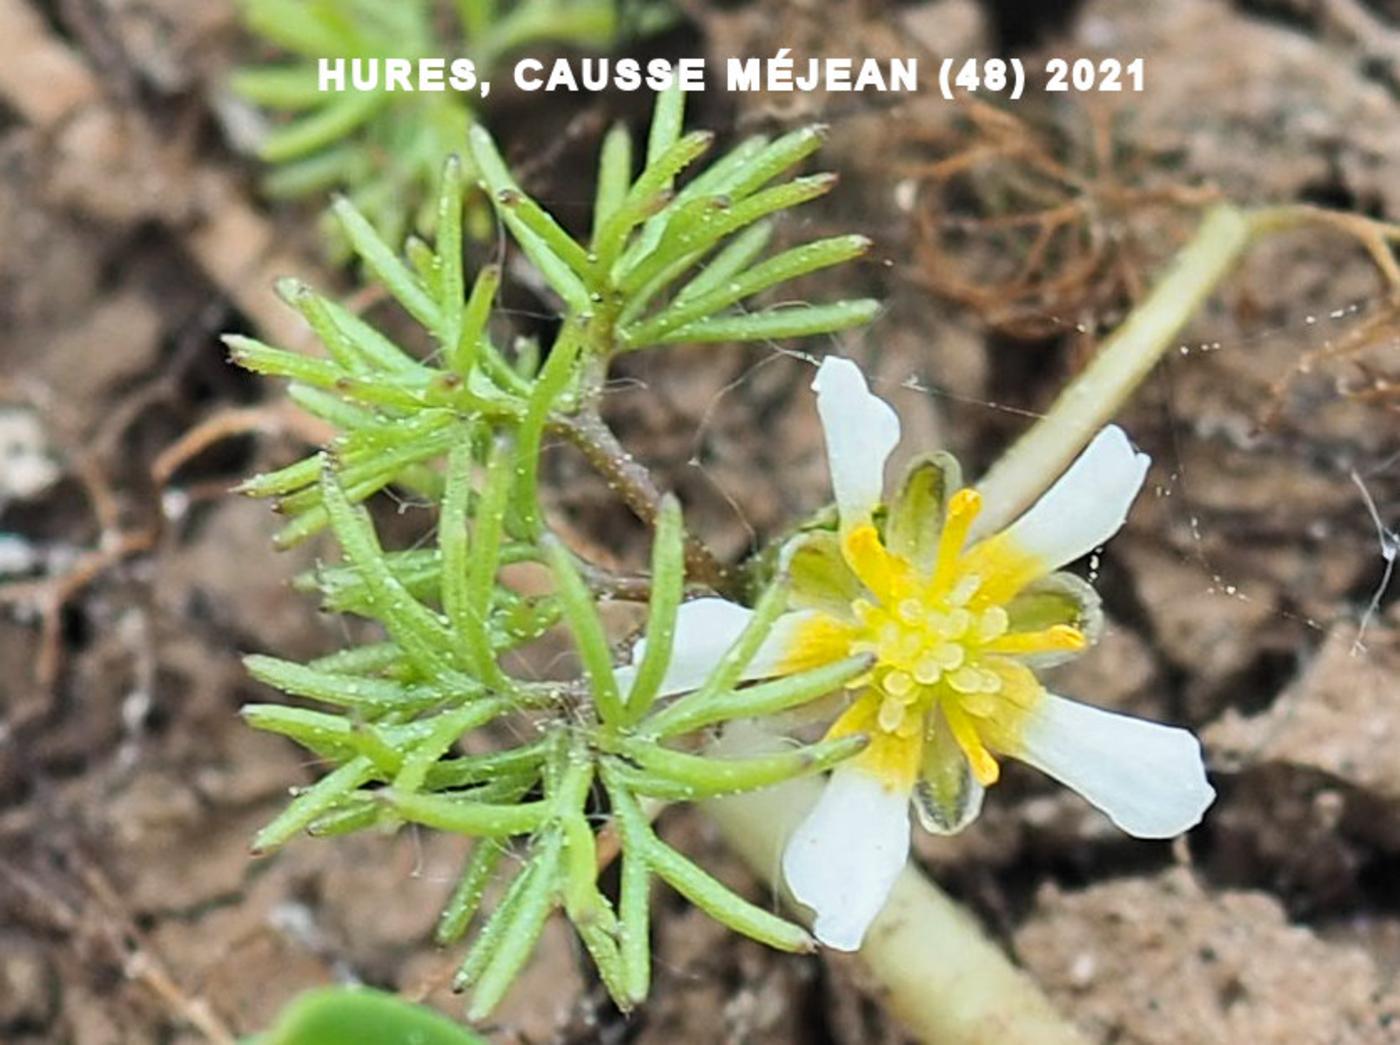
{"x": 941, "y": 640}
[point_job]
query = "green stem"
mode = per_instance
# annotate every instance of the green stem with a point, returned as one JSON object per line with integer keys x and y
{"x": 1124, "y": 360}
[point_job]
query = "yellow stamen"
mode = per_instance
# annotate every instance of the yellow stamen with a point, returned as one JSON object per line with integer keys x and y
{"x": 1003, "y": 569}
{"x": 892, "y": 756}
{"x": 940, "y": 644}
{"x": 984, "y": 766}
{"x": 1061, "y": 638}
{"x": 963, "y": 508}
{"x": 1016, "y": 684}
{"x": 869, "y": 560}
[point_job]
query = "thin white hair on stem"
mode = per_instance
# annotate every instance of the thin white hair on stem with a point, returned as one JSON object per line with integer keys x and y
{"x": 1390, "y": 548}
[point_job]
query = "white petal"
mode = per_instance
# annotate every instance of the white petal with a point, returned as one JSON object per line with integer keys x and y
{"x": 844, "y": 858}
{"x": 1149, "y": 778}
{"x": 1087, "y": 505}
{"x": 778, "y": 645}
{"x": 861, "y": 429}
{"x": 705, "y": 629}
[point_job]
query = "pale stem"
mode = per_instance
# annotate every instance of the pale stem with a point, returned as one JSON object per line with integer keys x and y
{"x": 939, "y": 974}
{"x": 1125, "y": 359}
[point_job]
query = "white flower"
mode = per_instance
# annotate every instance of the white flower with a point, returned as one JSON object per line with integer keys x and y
{"x": 954, "y": 629}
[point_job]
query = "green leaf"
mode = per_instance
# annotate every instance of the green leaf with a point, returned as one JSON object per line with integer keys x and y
{"x": 668, "y": 116}
{"x": 474, "y": 769}
{"x": 378, "y": 349}
{"x": 802, "y": 321}
{"x": 447, "y": 730}
{"x": 452, "y": 282}
{"x": 468, "y": 620}
{"x": 467, "y": 817}
{"x": 424, "y": 638}
{"x": 466, "y": 899}
{"x": 687, "y": 241}
{"x": 528, "y": 913}
{"x": 587, "y": 630}
{"x": 380, "y": 258}
{"x": 314, "y": 30}
{"x": 327, "y": 125}
{"x": 810, "y": 257}
{"x": 290, "y": 87}
{"x": 634, "y": 931}
{"x": 362, "y": 1016}
{"x": 312, "y": 803}
{"x": 563, "y": 263}
{"x": 648, "y": 194}
{"x": 732, "y": 259}
{"x": 614, "y": 176}
{"x": 689, "y": 777}
{"x": 667, "y": 587}
{"x": 485, "y": 556}
{"x": 474, "y": 319}
{"x": 766, "y": 698}
{"x": 700, "y": 888}
{"x": 367, "y": 694}
{"x": 558, "y": 372}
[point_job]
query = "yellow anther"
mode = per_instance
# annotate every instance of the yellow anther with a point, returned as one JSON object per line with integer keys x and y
{"x": 910, "y": 610}
{"x": 966, "y": 679}
{"x": 980, "y": 705}
{"x": 927, "y": 671}
{"x": 992, "y": 624}
{"x": 949, "y": 655}
{"x": 955, "y": 624}
{"x": 891, "y": 714}
{"x": 899, "y": 684}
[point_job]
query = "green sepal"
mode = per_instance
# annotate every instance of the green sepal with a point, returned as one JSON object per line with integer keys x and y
{"x": 821, "y": 578}
{"x": 917, "y": 512}
{"x": 947, "y": 797}
{"x": 1058, "y": 598}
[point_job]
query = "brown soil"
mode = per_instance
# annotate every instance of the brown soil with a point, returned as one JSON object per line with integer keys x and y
{"x": 130, "y": 910}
